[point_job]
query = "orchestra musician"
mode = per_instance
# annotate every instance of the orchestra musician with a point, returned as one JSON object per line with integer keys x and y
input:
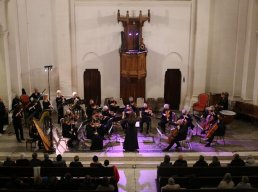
{"x": 132, "y": 104}
{"x": 145, "y": 115}
{"x": 209, "y": 120}
{"x": 216, "y": 128}
{"x": 68, "y": 127}
{"x": 223, "y": 102}
{"x": 17, "y": 122}
{"x": 112, "y": 104}
{"x": 25, "y": 100}
{"x": 35, "y": 108}
{"x": 185, "y": 114}
{"x": 76, "y": 106}
{"x": 2, "y": 116}
{"x": 91, "y": 108}
{"x": 60, "y": 101}
{"x": 177, "y": 134}
{"x": 46, "y": 103}
{"x": 167, "y": 117}
{"x": 127, "y": 110}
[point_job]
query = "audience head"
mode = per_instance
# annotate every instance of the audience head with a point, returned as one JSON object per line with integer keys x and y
{"x": 95, "y": 158}
{"x": 23, "y": 91}
{"x": 106, "y": 162}
{"x": 105, "y": 108}
{"x": 76, "y": 158}
{"x": 250, "y": 161}
{"x": 46, "y": 156}
{"x": 166, "y": 158}
{"x": 22, "y": 156}
{"x": 8, "y": 158}
{"x": 171, "y": 181}
{"x": 227, "y": 177}
{"x": 245, "y": 179}
{"x": 201, "y": 158}
{"x": 180, "y": 157}
{"x": 215, "y": 159}
{"x": 34, "y": 155}
{"x": 236, "y": 156}
{"x": 59, "y": 157}
{"x": 105, "y": 181}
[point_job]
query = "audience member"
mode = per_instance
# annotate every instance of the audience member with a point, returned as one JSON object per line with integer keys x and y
{"x": 250, "y": 161}
{"x": 59, "y": 161}
{"x": 171, "y": 185}
{"x": 35, "y": 162}
{"x": 22, "y": 161}
{"x": 95, "y": 162}
{"x": 87, "y": 184}
{"x": 226, "y": 182}
{"x": 38, "y": 183}
{"x": 201, "y": 162}
{"x": 67, "y": 182}
{"x": 166, "y": 162}
{"x": 236, "y": 161}
{"x": 180, "y": 162}
{"x": 193, "y": 182}
{"x": 76, "y": 162}
{"x": 215, "y": 162}
{"x": 46, "y": 162}
{"x": 8, "y": 162}
{"x": 244, "y": 183}
{"x": 116, "y": 173}
{"x": 105, "y": 186}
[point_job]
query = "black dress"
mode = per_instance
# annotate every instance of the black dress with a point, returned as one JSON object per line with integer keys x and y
{"x": 131, "y": 140}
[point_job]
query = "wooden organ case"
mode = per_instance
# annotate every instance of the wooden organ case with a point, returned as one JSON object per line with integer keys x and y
{"x": 132, "y": 56}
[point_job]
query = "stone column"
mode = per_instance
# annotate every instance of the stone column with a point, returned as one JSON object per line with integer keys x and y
{"x": 255, "y": 93}
{"x": 5, "y": 89}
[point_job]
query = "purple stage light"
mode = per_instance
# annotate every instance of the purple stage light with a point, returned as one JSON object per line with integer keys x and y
{"x": 130, "y": 34}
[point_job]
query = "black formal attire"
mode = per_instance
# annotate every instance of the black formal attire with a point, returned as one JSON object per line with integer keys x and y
{"x": 36, "y": 109}
{"x": 2, "y": 116}
{"x": 17, "y": 123}
{"x": 60, "y": 107}
{"x": 16, "y": 101}
{"x": 180, "y": 163}
{"x": 221, "y": 128}
{"x": 46, "y": 105}
{"x": 22, "y": 162}
{"x": 96, "y": 135}
{"x": 223, "y": 104}
{"x": 146, "y": 118}
{"x": 182, "y": 134}
{"x": 238, "y": 162}
{"x": 166, "y": 119}
{"x": 200, "y": 163}
{"x": 131, "y": 140}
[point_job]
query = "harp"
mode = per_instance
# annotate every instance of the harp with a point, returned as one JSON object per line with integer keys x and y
{"x": 43, "y": 126}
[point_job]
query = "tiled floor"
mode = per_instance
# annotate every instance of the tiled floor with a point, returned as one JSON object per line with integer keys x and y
{"x": 138, "y": 170}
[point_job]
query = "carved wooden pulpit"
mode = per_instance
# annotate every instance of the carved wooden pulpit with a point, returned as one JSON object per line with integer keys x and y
{"x": 132, "y": 56}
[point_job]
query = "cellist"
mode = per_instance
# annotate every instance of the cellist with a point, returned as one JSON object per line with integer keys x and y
{"x": 177, "y": 134}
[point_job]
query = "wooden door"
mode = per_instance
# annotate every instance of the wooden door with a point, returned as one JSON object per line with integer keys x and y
{"x": 172, "y": 88}
{"x": 92, "y": 85}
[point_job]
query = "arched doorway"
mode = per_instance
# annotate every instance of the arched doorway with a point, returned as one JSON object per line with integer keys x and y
{"x": 92, "y": 85}
{"x": 172, "y": 88}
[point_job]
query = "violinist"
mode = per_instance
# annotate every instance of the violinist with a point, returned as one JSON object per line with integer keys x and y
{"x": 107, "y": 117}
{"x": 177, "y": 134}
{"x": 167, "y": 116}
{"x": 68, "y": 126}
{"x": 60, "y": 100}
{"x": 125, "y": 114}
{"x": 91, "y": 108}
{"x": 35, "y": 108}
{"x": 17, "y": 122}
{"x": 145, "y": 115}
{"x": 185, "y": 114}
{"x": 46, "y": 103}
{"x": 132, "y": 104}
{"x": 112, "y": 104}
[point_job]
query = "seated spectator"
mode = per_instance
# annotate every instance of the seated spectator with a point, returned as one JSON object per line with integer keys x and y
{"x": 250, "y": 161}
{"x": 180, "y": 162}
{"x": 193, "y": 182}
{"x": 23, "y": 162}
{"x": 35, "y": 162}
{"x": 87, "y": 184}
{"x": 226, "y": 182}
{"x": 166, "y": 162}
{"x": 95, "y": 162}
{"x": 67, "y": 182}
{"x": 46, "y": 162}
{"x": 105, "y": 185}
{"x": 76, "y": 162}
{"x": 116, "y": 173}
{"x": 59, "y": 161}
{"x": 201, "y": 162}
{"x": 236, "y": 161}
{"x": 171, "y": 185}
{"x": 8, "y": 162}
{"x": 52, "y": 183}
{"x": 244, "y": 183}
{"x": 38, "y": 183}
{"x": 215, "y": 162}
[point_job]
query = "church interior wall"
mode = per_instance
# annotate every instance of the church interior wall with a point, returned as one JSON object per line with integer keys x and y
{"x": 61, "y": 33}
